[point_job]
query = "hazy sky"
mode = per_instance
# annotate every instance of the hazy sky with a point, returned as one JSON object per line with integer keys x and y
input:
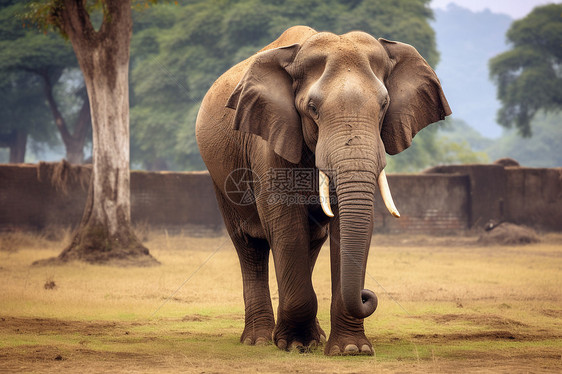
{"x": 515, "y": 8}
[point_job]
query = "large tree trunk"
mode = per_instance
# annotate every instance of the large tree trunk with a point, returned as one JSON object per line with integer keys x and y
{"x": 105, "y": 234}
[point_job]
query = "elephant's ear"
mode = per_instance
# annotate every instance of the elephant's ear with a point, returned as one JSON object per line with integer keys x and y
{"x": 416, "y": 97}
{"x": 264, "y": 101}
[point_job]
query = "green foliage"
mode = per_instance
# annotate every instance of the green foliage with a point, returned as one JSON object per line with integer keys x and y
{"x": 24, "y": 49}
{"x": 529, "y": 76}
{"x": 178, "y": 51}
{"x": 458, "y": 131}
{"x": 460, "y": 153}
{"x": 402, "y": 20}
{"x": 46, "y": 15}
{"x": 23, "y": 108}
{"x": 451, "y": 141}
{"x": 43, "y": 15}
{"x": 543, "y": 150}
{"x": 25, "y": 56}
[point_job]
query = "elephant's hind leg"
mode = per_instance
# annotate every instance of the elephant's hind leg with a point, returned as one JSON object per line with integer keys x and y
{"x": 254, "y": 260}
{"x": 319, "y": 234}
{"x": 253, "y": 254}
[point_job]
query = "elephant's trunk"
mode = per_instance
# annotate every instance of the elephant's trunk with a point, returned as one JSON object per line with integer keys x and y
{"x": 353, "y": 158}
{"x": 356, "y": 209}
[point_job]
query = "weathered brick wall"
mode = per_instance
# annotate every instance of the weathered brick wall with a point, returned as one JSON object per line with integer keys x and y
{"x": 534, "y": 197}
{"x": 27, "y": 203}
{"x": 444, "y": 200}
{"x": 528, "y": 196}
{"x": 486, "y": 193}
{"x": 428, "y": 203}
{"x": 174, "y": 199}
{"x": 158, "y": 199}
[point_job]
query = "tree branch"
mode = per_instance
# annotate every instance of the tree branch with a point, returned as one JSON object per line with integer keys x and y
{"x": 76, "y": 23}
{"x": 57, "y": 116}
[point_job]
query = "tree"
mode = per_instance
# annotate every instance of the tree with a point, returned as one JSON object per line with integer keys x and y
{"x": 41, "y": 60}
{"x": 23, "y": 113}
{"x": 105, "y": 233}
{"x": 529, "y": 76}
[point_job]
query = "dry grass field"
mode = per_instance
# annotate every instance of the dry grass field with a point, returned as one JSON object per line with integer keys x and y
{"x": 445, "y": 305}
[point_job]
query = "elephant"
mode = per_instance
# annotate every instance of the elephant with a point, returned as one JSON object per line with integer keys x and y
{"x": 312, "y": 106}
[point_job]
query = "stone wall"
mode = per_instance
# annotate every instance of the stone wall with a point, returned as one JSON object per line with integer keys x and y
{"x": 534, "y": 197}
{"x": 445, "y": 199}
{"x": 176, "y": 200}
{"x": 527, "y": 196}
{"x": 428, "y": 203}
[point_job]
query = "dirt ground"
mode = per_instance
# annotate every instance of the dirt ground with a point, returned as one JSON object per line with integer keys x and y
{"x": 80, "y": 358}
{"x": 448, "y": 305}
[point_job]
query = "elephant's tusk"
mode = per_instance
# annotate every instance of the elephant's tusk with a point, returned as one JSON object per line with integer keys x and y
{"x": 386, "y": 196}
{"x": 325, "y": 194}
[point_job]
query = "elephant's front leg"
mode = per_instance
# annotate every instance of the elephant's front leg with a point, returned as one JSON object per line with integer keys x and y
{"x": 347, "y": 334}
{"x": 297, "y": 326}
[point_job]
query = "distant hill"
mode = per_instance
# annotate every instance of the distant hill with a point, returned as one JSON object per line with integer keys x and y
{"x": 466, "y": 41}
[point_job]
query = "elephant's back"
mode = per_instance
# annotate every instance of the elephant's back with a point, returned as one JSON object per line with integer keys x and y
{"x": 295, "y": 34}
{"x": 223, "y": 148}
{"x": 216, "y": 98}
{"x": 213, "y": 112}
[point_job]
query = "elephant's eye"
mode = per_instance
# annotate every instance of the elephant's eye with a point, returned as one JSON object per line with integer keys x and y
{"x": 313, "y": 109}
{"x": 385, "y": 103}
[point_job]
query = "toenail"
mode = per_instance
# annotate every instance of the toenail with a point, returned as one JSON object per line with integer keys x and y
{"x": 351, "y": 348}
{"x": 282, "y": 344}
{"x": 335, "y": 350}
{"x": 261, "y": 341}
{"x": 366, "y": 349}
{"x": 247, "y": 341}
{"x": 297, "y": 346}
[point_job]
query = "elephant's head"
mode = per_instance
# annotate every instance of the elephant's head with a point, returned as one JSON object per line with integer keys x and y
{"x": 349, "y": 99}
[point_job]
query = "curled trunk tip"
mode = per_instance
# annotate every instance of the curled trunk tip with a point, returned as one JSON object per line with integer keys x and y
{"x": 363, "y": 309}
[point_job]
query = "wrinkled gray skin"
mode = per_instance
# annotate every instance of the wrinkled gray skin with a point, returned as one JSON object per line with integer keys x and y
{"x": 320, "y": 101}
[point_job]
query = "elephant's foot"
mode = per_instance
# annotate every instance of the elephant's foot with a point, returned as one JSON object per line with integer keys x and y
{"x": 258, "y": 330}
{"x": 302, "y": 339}
{"x": 256, "y": 336}
{"x": 347, "y": 344}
